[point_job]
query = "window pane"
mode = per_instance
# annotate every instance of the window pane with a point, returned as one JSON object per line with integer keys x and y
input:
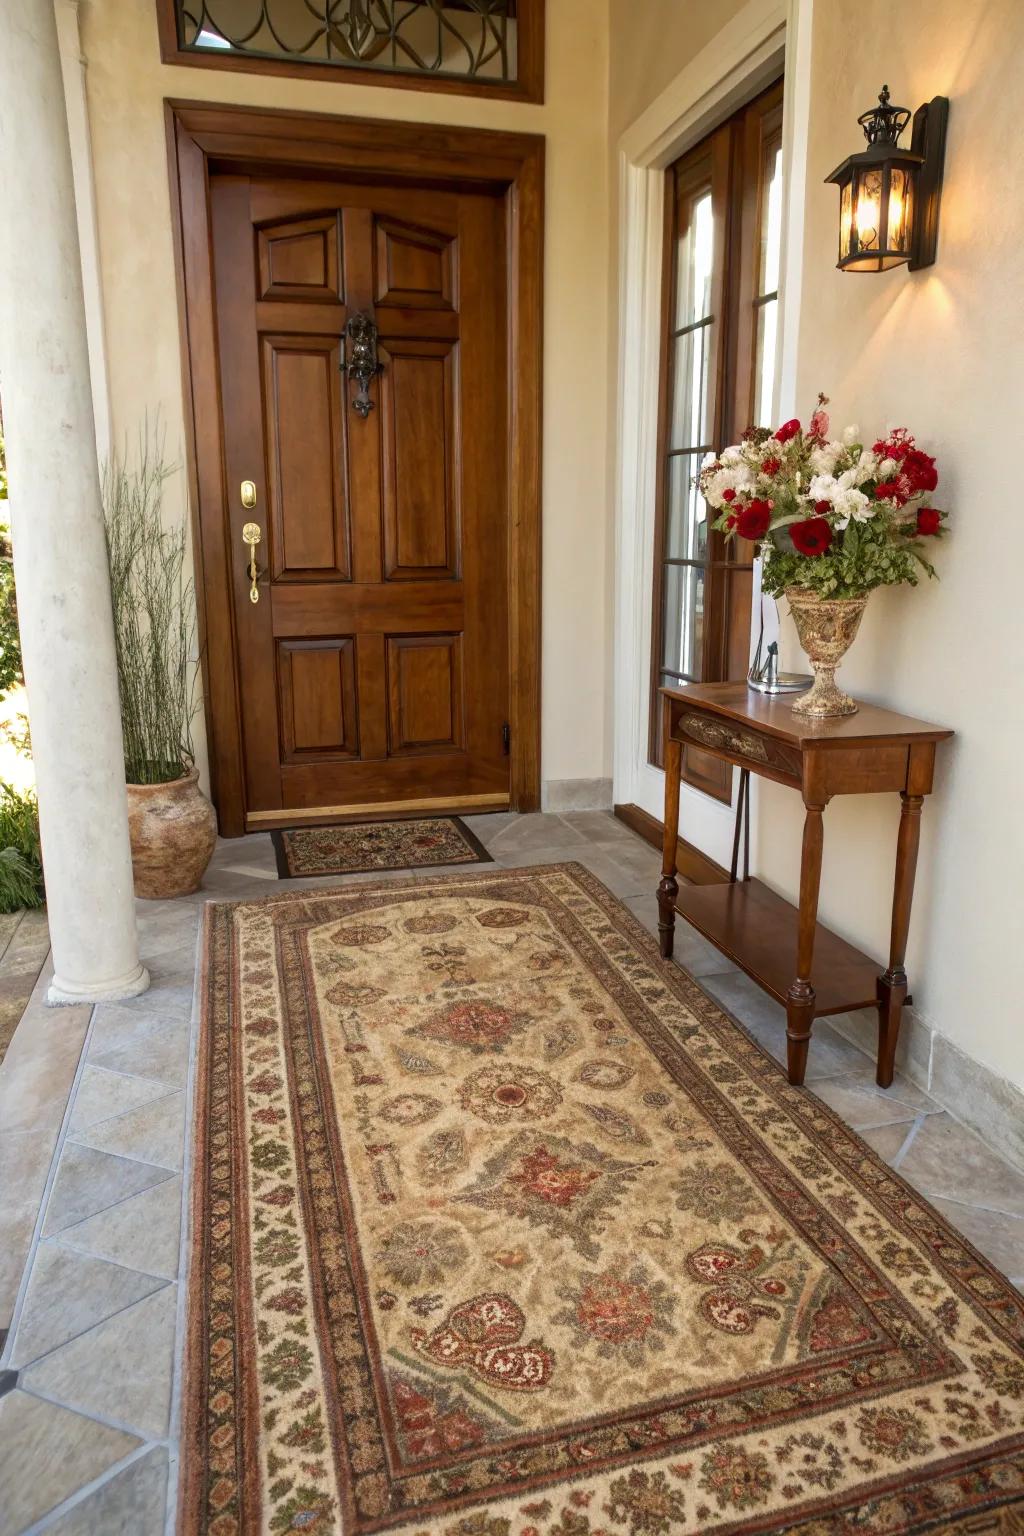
{"x": 686, "y": 529}
{"x": 691, "y": 364}
{"x": 445, "y": 38}
{"x": 694, "y": 256}
{"x": 771, "y": 220}
{"x": 764, "y": 364}
{"x": 683, "y": 613}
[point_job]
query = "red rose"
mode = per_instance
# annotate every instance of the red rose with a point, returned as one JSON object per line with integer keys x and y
{"x": 889, "y": 490}
{"x": 729, "y": 495}
{"x": 752, "y": 522}
{"x": 787, "y": 430}
{"x": 730, "y": 521}
{"x": 771, "y": 466}
{"x": 929, "y": 520}
{"x": 812, "y": 537}
{"x": 919, "y": 469}
{"x": 823, "y": 506}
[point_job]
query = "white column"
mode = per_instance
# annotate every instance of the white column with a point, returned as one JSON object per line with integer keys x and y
{"x": 59, "y": 551}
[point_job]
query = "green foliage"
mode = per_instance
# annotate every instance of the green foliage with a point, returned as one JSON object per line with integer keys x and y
{"x": 21, "y": 865}
{"x": 10, "y": 639}
{"x": 862, "y": 557}
{"x": 154, "y": 616}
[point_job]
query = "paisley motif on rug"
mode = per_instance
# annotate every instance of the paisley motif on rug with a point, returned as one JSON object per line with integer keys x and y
{"x": 502, "y": 1227}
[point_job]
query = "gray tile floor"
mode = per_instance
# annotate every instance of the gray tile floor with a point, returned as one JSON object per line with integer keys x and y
{"x": 88, "y": 1431}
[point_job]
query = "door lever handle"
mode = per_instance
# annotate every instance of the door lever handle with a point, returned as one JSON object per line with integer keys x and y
{"x": 251, "y": 535}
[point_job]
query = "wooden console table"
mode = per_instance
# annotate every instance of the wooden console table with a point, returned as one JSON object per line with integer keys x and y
{"x": 871, "y": 751}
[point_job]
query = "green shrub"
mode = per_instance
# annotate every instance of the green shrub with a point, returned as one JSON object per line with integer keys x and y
{"x": 21, "y": 865}
{"x": 10, "y": 639}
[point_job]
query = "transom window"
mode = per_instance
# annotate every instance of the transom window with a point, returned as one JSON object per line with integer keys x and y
{"x": 493, "y": 47}
{"x": 723, "y": 240}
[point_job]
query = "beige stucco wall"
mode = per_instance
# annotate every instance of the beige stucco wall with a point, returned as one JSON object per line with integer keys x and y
{"x": 127, "y": 85}
{"x": 650, "y": 42}
{"x": 940, "y": 351}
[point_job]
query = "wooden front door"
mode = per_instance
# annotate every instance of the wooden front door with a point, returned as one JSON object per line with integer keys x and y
{"x": 373, "y": 668}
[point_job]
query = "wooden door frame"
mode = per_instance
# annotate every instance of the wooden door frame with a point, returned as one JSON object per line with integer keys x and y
{"x": 201, "y": 134}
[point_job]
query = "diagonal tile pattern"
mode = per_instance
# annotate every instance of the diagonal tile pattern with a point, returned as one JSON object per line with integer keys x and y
{"x": 84, "y": 1434}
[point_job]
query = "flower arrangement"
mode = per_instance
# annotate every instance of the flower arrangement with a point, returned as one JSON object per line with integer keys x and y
{"x": 831, "y": 516}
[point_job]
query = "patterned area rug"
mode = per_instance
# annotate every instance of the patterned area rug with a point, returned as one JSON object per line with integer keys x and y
{"x": 362, "y": 847}
{"x": 503, "y": 1228}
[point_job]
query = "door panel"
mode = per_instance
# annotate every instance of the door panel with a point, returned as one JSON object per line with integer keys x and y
{"x": 418, "y": 395}
{"x": 306, "y": 431}
{"x": 374, "y": 667}
{"x": 317, "y": 692}
{"x": 414, "y": 266}
{"x": 301, "y": 259}
{"x": 425, "y": 692}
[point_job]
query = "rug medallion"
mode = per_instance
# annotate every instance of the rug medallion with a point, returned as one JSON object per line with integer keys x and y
{"x": 503, "y": 1228}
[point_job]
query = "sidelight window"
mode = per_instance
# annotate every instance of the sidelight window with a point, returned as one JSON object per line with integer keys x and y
{"x": 720, "y": 305}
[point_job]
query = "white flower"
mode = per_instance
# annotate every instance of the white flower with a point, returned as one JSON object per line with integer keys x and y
{"x": 823, "y": 488}
{"x": 843, "y": 497}
{"x": 851, "y": 435}
{"x": 852, "y": 503}
{"x": 735, "y": 477}
{"x": 825, "y": 457}
{"x": 887, "y": 469}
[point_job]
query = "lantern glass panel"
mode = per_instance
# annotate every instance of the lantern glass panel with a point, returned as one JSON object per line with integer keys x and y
{"x": 867, "y": 212}
{"x": 845, "y": 218}
{"x": 901, "y": 193}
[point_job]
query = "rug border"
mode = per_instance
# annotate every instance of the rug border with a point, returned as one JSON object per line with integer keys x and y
{"x": 281, "y": 853}
{"x": 681, "y": 982}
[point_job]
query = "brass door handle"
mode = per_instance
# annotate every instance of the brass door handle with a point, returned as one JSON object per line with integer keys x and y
{"x": 251, "y": 535}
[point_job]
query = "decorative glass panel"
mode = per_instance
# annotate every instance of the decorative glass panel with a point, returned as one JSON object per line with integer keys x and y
{"x": 473, "y": 40}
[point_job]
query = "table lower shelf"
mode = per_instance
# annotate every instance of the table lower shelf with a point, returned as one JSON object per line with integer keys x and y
{"x": 757, "y": 930}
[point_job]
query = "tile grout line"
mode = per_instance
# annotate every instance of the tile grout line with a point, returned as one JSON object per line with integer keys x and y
{"x": 121, "y": 1426}
{"x": 78, "y": 1497}
{"x": 184, "y": 1246}
{"x": 121, "y": 1114}
{"x": 44, "y": 1199}
{"x": 907, "y": 1143}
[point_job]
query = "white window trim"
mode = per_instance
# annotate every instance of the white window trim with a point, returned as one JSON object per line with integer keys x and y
{"x": 743, "y": 58}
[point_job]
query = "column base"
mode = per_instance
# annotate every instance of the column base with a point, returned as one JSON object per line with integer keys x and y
{"x": 62, "y": 993}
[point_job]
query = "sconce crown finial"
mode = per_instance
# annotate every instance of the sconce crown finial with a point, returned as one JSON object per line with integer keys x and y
{"x": 884, "y": 124}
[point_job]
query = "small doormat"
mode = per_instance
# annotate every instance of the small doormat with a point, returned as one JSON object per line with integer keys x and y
{"x": 502, "y": 1227}
{"x": 366, "y": 846}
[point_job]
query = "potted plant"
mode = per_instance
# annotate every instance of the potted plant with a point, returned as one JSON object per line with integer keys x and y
{"x": 832, "y": 519}
{"x": 173, "y": 826}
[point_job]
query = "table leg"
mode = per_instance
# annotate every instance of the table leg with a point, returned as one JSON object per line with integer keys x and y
{"x": 892, "y": 984}
{"x": 668, "y": 890}
{"x": 800, "y": 997}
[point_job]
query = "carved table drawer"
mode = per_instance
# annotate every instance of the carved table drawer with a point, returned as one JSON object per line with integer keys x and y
{"x": 719, "y": 735}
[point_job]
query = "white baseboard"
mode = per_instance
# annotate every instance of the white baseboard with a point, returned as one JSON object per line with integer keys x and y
{"x": 969, "y": 1090}
{"x": 576, "y": 795}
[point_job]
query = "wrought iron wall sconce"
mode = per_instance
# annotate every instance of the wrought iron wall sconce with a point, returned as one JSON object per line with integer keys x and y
{"x": 888, "y": 196}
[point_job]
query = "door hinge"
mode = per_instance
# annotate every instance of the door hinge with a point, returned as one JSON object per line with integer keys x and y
{"x": 506, "y": 738}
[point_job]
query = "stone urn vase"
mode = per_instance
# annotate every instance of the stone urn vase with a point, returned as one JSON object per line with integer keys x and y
{"x": 826, "y": 628}
{"x": 173, "y": 830}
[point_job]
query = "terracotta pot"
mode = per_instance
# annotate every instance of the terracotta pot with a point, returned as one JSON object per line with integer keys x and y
{"x": 826, "y": 628}
{"x": 173, "y": 830}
